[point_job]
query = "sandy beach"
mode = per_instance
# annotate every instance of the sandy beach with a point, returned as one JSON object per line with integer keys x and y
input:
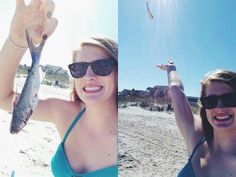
{"x": 29, "y": 152}
{"x": 150, "y": 144}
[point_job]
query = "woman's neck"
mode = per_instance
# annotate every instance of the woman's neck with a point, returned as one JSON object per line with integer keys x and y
{"x": 102, "y": 117}
{"x": 224, "y": 143}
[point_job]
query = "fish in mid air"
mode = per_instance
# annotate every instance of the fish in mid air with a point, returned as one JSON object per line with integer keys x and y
{"x": 150, "y": 15}
{"x": 28, "y": 99}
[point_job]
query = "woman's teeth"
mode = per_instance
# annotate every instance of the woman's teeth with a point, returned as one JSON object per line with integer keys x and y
{"x": 92, "y": 89}
{"x": 223, "y": 117}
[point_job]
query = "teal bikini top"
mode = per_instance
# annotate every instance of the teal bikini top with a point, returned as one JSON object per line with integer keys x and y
{"x": 187, "y": 170}
{"x": 60, "y": 165}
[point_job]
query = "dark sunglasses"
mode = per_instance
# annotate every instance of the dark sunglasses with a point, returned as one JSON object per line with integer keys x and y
{"x": 101, "y": 67}
{"x": 210, "y": 102}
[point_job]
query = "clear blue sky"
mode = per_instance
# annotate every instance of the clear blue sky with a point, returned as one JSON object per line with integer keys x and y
{"x": 199, "y": 35}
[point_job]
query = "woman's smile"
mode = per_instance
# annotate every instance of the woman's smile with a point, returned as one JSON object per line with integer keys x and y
{"x": 223, "y": 119}
{"x": 92, "y": 89}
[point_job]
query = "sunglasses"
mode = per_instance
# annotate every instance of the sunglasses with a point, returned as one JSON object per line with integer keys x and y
{"x": 210, "y": 102}
{"x": 101, "y": 67}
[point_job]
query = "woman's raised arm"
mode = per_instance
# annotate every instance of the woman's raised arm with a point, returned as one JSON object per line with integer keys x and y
{"x": 35, "y": 18}
{"x": 189, "y": 126}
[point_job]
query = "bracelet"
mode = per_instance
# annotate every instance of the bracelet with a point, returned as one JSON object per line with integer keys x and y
{"x": 171, "y": 68}
{"x": 16, "y": 45}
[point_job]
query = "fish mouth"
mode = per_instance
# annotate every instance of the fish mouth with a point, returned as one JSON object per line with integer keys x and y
{"x": 19, "y": 124}
{"x": 16, "y": 129}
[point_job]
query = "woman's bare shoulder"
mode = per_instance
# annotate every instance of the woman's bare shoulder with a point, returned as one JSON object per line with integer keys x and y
{"x": 64, "y": 113}
{"x": 52, "y": 109}
{"x": 64, "y": 108}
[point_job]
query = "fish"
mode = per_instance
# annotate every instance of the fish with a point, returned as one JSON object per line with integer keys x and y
{"x": 28, "y": 99}
{"x": 150, "y": 15}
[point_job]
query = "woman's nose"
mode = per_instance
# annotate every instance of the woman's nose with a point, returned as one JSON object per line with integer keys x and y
{"x": 89, "y": 73}
{"x": 220, "y": 104}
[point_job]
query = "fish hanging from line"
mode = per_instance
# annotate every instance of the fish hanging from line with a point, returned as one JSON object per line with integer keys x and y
{"x": 149, "y": 13}
{"x": 28, "y": 99}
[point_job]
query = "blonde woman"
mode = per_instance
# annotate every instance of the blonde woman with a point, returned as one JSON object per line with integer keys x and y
{"x": 210, "y": 137}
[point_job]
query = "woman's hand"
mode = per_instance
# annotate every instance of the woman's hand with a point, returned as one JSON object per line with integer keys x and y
{"x": 36, "y": 18}
{"x": 165, "y": 67}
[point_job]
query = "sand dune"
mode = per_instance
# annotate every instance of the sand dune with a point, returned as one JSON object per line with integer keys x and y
{"x": 150, "y": 144}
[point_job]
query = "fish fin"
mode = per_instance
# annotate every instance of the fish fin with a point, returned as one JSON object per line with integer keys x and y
{"x": 42, "y": 74}
{"x": 28, "y": 70}
{"x": 28, "y": 116}
{"x": 15, "y": 98}
{"x": 23, "y": 130}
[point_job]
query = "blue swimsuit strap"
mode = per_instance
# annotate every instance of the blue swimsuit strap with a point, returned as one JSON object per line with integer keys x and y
{"x": 191, "y": 156}
{"x": 72, "y": 125}
{"x": 195, "y": 148}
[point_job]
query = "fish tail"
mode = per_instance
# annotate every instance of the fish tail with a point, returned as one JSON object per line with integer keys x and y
{"x": 35, "y": 50}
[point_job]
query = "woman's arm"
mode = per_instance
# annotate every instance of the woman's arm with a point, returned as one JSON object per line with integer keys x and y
{"x": 189, "y": 126}
{"x": 33, "y": 18}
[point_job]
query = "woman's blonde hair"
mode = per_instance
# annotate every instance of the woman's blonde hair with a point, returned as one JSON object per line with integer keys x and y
{"x": 108, "y": 45}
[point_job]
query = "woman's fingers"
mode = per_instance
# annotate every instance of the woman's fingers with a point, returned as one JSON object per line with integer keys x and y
{"x": 35, "y": 17}
{"x": 44, "y": 23}
{"x": 165, "y": 66}
{"x": 44, "y": 12}
{"x": 20, "y": 3}
{"x": 35, "y": 4}
{"x": 49, "y": 9}
{"x": 51, "y": 26}
{"x": 162, "y": 67}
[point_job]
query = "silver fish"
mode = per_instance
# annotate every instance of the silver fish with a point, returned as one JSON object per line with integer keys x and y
{"x": 29, "y": 96}
{"x": 150, "y": 15}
